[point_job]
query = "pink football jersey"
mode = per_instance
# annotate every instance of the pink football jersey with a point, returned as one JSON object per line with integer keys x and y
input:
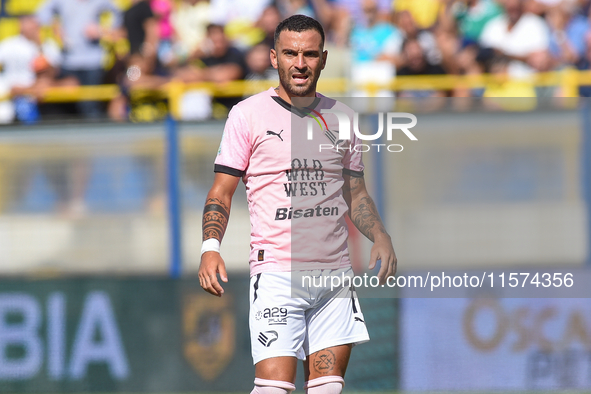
{"x": 293, "y": 180}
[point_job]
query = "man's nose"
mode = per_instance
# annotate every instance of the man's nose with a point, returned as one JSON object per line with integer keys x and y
{"x": 300, "y": 61}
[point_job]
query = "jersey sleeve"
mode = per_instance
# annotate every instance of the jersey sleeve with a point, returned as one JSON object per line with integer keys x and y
{"x": 235, "y": 148}
{"x": 352, "y": 161}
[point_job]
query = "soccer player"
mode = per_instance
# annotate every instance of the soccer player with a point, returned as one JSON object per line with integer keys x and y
{"x": 298, "y": 197}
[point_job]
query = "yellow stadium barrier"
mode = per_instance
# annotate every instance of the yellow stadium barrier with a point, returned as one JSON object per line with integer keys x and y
{"x": 568, "y": 80}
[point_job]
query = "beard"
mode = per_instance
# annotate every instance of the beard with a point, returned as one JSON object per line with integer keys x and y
{"x": 298, "y": 90}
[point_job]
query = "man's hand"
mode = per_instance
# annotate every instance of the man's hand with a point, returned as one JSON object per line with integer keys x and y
{"x": 211, "y": 265}
{"x": 93, "y": 32}
{"x": 382, "y": 250}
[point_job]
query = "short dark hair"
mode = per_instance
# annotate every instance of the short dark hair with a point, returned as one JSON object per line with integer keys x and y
{"x": 299, "y": 23}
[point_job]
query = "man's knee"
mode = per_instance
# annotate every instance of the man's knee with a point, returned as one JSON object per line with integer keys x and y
{"x": 325, "y": 385}
{"x": 266, "y": 386}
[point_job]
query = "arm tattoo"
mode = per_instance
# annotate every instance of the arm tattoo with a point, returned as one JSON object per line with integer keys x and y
{"x": 367, "y": 219}
{"x": 352, "y": 185}
{"x": 215, "y": 219}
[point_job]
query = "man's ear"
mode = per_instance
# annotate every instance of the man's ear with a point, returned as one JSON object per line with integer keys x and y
{"x": 273, "y": 56}
{"x": 324, "y": 56}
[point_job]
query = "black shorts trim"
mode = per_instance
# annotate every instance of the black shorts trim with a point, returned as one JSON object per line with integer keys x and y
{"x": 256, "y": 287}
{"x": 356, "y": 174}
{"x": 228, "y": 170}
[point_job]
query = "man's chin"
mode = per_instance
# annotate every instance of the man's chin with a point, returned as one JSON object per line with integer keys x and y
{"x": 300, "y": 90}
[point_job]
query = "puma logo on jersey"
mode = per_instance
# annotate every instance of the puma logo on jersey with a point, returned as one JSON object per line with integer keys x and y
{"x": 268, "y": 337}
{"x": 269, "y": 132}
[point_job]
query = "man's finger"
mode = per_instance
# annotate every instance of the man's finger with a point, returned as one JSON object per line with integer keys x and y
{"x": 391, "y": 269}
{"x": 209, "y": 285}
{"x": 373, "y": 260}
{"x": 223, "y": 274}
{"x": 386, "y": 262}
{"x": 394, "y": 265}
{"x": 382, "y": 274}
{"x": 216, "y": 285}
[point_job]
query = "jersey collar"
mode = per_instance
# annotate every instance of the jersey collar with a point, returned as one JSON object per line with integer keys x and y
{"x": 301, "y": 112}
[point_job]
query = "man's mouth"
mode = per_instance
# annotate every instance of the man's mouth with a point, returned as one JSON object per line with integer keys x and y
{"x": 299, "y": 78}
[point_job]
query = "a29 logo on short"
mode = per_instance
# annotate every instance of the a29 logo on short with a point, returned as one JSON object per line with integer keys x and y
{"x": 275, "y": 316}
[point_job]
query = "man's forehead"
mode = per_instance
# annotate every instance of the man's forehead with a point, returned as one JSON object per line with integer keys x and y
{"x": 309, "y": 39}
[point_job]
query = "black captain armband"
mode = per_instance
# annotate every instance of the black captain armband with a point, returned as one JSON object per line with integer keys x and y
{"x": 356, "y": 174}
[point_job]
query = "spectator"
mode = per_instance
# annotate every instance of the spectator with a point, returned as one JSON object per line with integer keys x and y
{"x": 374, "y": 50}
{"x": 81, "y": 33}
{"x": 141, "y": 28}
{"x": 216, "y": 61}
{"x": 221, "y": 61}
{"x": 416, "y": 63}
{"x": 567, "y": 33}
{"x": 138, "y": 74}
{"x": 374, "y": 40}
{"x": 424, "y": 12}
{"x": 259, "y": 65}
{"x": 459, "y": 30}
{"x": 268, "y": 22}
{"x": 415, "y": 60}
{"x": 259, "y": 68}
{"x": 29, "y": 66}
{"x": 470, "y": 17}
{"x": 505, "y": 87}
{"x": 337, "y": 19}
{"x": 471, "y": 60}
{"x": 516, "y": 35}
{"x": 189, "y": 22}
{"x": 162, "y": 10}
{"x": 426, "y": 39}
{"x": 334, "y": 17}
{"x": 24, "y": 55}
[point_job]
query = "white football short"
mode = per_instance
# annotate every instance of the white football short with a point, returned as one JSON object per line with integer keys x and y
{"x": 318, "y": 318}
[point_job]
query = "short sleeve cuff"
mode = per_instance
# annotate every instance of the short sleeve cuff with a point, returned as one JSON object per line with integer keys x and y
{"x": 228, "y": 170}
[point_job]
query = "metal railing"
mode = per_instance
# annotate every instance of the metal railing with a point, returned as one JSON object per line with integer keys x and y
{"x": 569, "y": 80}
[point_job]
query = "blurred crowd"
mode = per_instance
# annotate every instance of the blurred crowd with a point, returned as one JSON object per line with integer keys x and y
{"x": 149, "y": 43}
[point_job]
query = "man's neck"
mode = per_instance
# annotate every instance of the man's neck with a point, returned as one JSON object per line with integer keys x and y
{"x": 307, "y": 100}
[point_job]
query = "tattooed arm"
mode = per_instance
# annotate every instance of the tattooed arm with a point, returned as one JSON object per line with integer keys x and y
{"x": 365, "y": 217}
{"x": 215, "y": 220}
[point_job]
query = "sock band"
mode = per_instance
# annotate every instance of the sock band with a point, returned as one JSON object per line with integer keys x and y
{"x": 323, "y": 380}
{"x": 274, "y": 383}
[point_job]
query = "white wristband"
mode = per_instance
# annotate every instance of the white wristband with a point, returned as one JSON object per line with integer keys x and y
{"x": 210, "y": 245}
